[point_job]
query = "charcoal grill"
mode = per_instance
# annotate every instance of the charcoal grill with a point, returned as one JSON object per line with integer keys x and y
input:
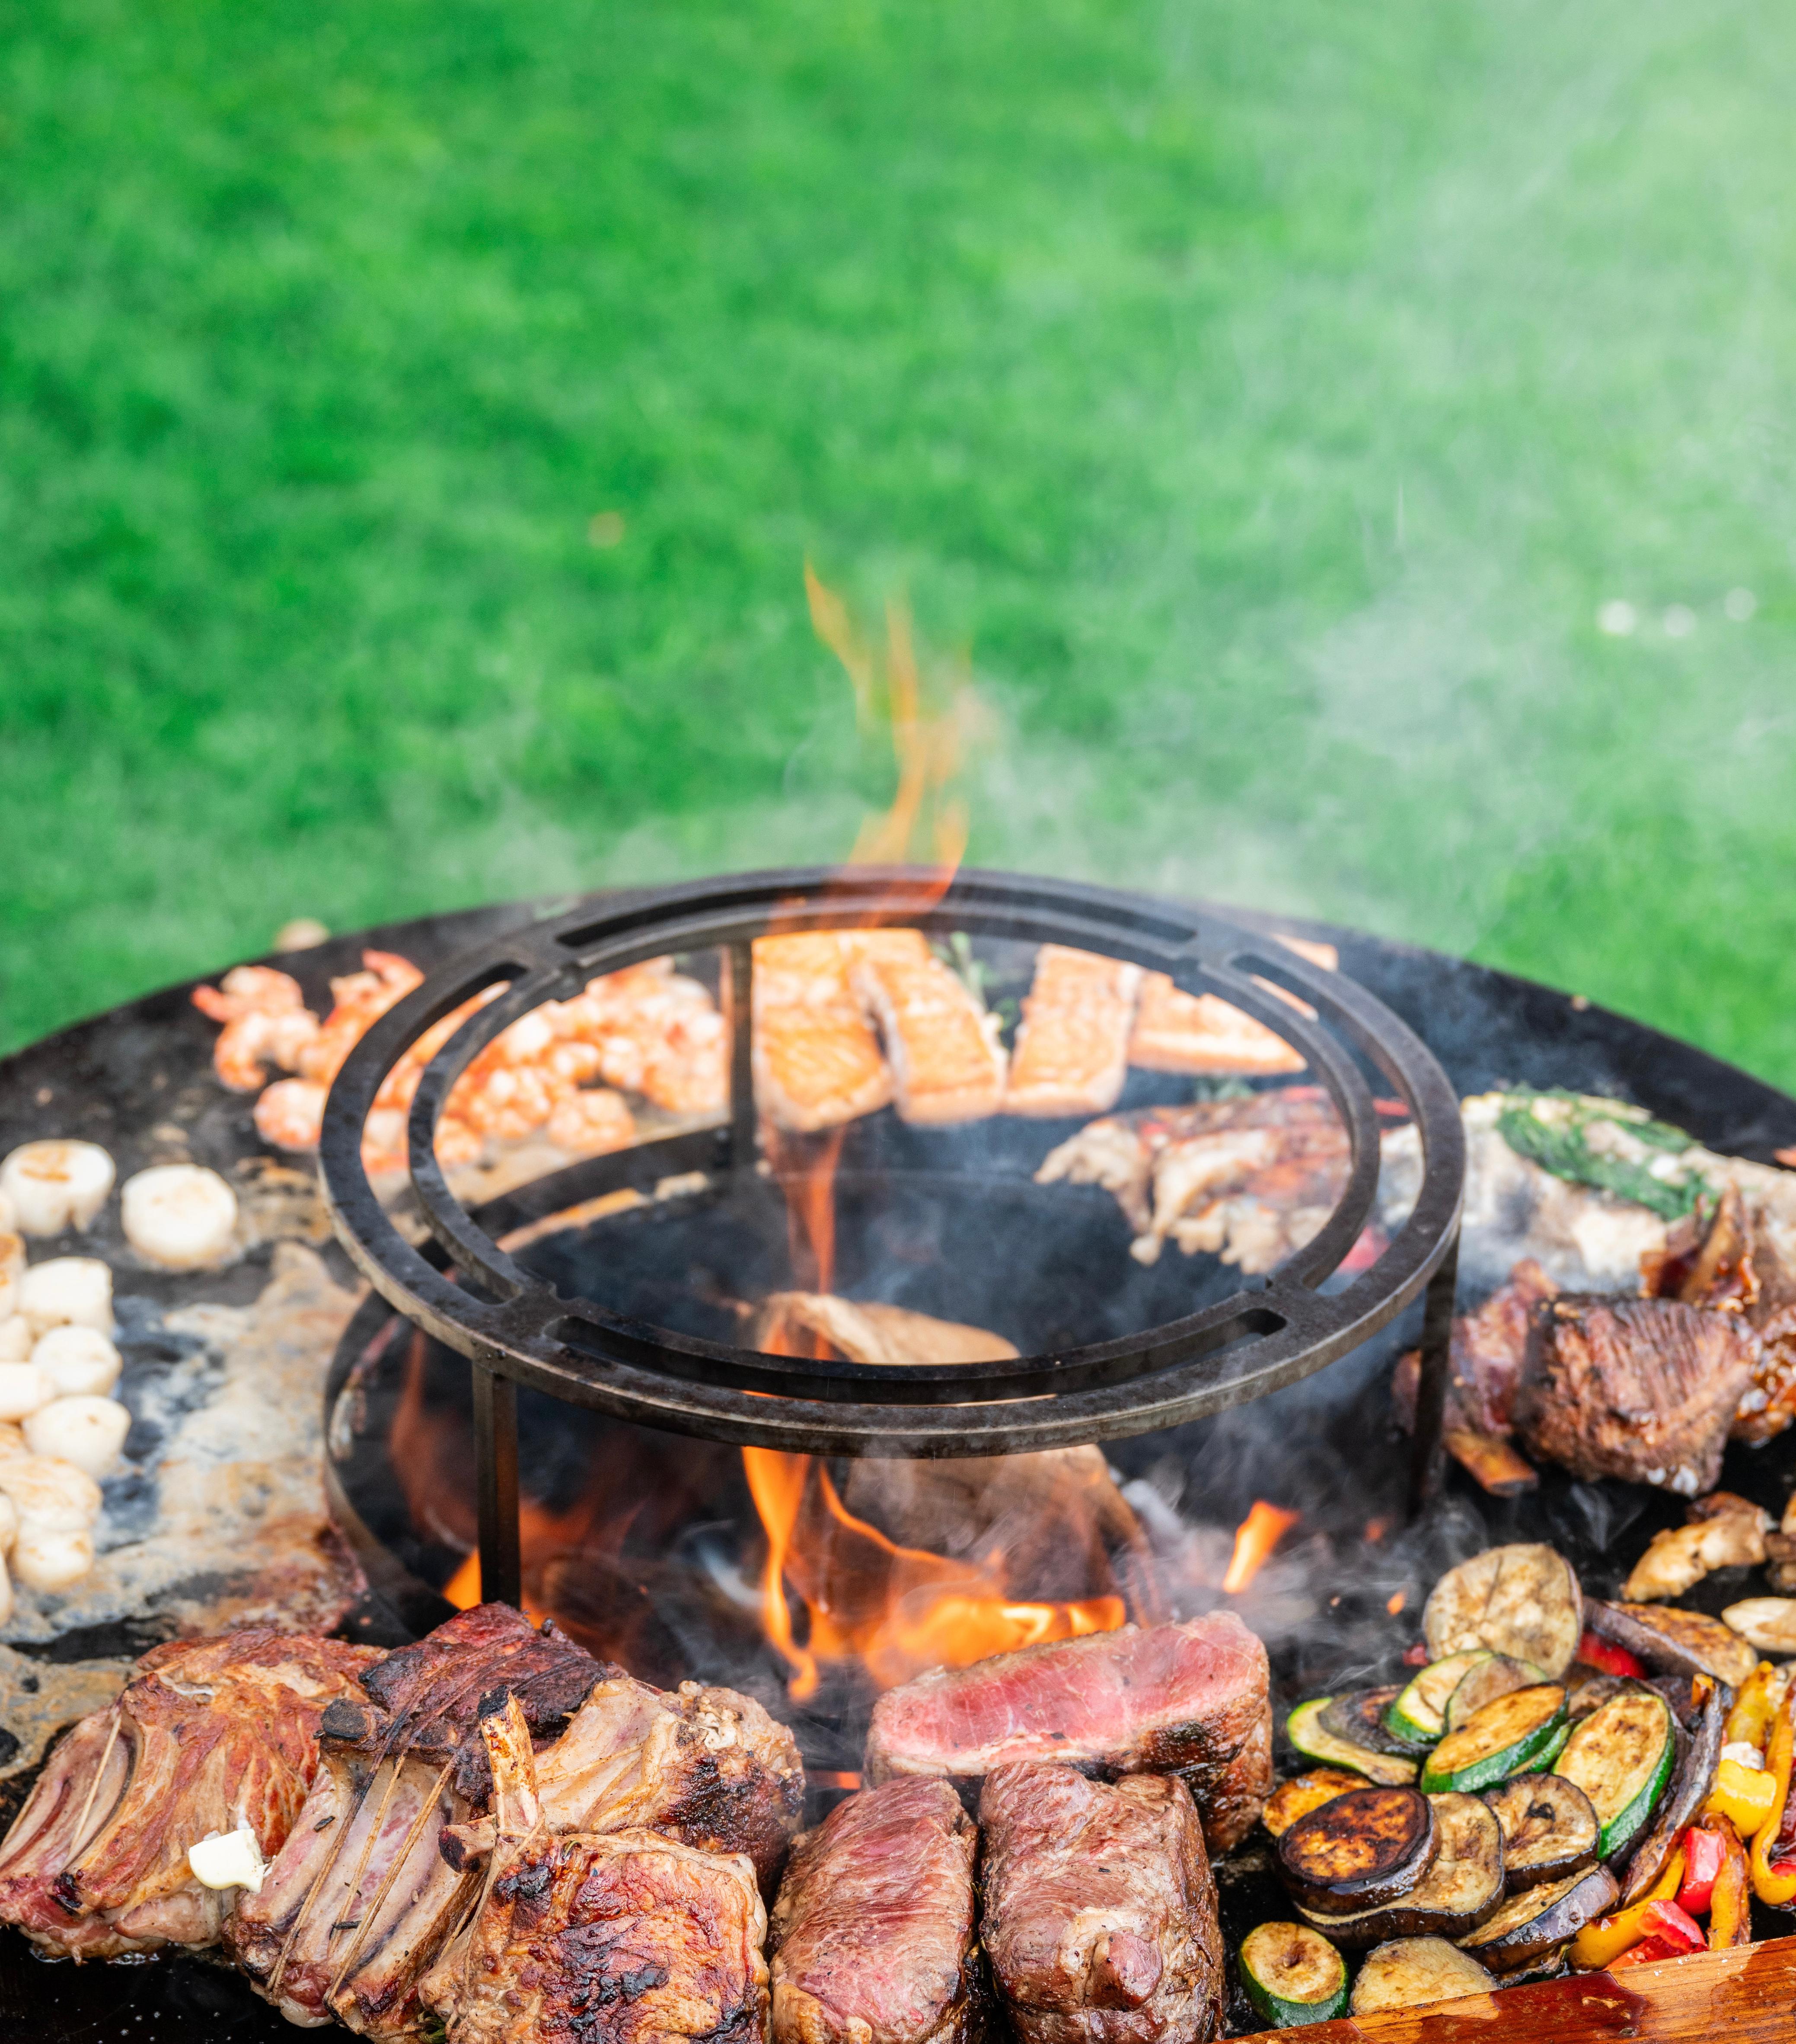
{"x": 516, "y": 1328}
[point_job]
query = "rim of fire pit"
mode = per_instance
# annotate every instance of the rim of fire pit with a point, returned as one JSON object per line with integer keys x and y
{"x": 517, "y": 1329}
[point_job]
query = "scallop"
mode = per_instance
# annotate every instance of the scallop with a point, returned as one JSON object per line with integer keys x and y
{"x": 67, "y": 1292}
{"x": 16, "y": 1340}
{"x": 180, "y": 1216}
{"x": 49, "y": 1497}
{"x": 88, "y": 1432}
{"x": 56, "y": 1185}
{"x": 9, "y": 1525}
{"x": 80, "y": 1363}
{"x": 24, "y": 1390}
{"x": 12, "y": 1270}
{"x": 43, "y": 1560}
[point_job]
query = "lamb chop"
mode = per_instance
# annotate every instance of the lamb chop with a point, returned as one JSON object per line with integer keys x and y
{"x": 1100, "y": 1911}
{"x": 209, "y": 1736}
{"x": 706, "y": 1767}
{"x": 874, "y": 1940}
{"x": 362, "y": 1899}
{"x": 1189, "y": 1699}
{"x": 1645, "y": 1389}
{"x": 615, "y": 1938}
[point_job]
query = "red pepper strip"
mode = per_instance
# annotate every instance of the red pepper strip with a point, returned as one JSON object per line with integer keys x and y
{"x": 1671, "y": 1933}
{"x": 1595, "y": 1652}
{"x": 1704, "y": 1851}
{"x": 1730, "y": 1903}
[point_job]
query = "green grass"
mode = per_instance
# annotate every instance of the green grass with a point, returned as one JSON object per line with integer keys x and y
{"x": 1267, "y": 396}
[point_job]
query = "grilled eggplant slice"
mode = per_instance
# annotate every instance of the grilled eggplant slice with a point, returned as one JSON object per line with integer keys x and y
{"x": 1462, "y": 1888}
{"x": 1504, "y": 1737}
{"x": 1411, "y": 1972}
{"x": 1537, "y": 1921}
{"x": 1588, "y": 1689}
{"x": 1359, "y": 1716}
{"x": 1524, "y": 1601}
{"x": 1496, "y": 1675}
{"x": 1419, "y": 1715}
{"x": 1305, "y": 1733}
{"x": 1292, "y": 1975}
{"x": 1359, "y": 1851}
{"x": 1675, "y": 1642}
{"x": 1550, "y": 1830}
{"x": 1622, "y": 1756}
{"x": 1305, "y": 1793}
{"x": 1690, "y": 1791}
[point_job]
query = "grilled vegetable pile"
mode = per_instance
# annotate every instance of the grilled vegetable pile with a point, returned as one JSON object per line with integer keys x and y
{"x": 1561, "y": 1785}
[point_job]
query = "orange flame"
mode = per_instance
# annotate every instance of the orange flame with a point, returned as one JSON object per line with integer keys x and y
{"x": 1255, "y": 1538}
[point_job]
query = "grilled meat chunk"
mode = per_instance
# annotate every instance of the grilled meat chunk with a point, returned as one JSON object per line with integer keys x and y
{"x": 1250, "y": 1180}
{"x": 622, "y": 1938}
{"x": 208, "y": 1734}
{"x": 873, "y": 1932}
{"x": 1072, "y": 1045}
{"x": 1100, "y": 1911}
{"x": 1189, "y": 1699}
{"x": 362, "y": 1899}
{"x": 706, "y": 1767}
{"x": 1644, "y": 1390}
{"x": 866, "y": 1332}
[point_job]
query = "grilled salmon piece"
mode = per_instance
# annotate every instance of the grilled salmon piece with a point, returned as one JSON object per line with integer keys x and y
{"x": 1072, "y": 1048}
{"x": 947, "y": 1063}
{"x": 1176, "y": 1031}
{"x": 817, "y": 1060}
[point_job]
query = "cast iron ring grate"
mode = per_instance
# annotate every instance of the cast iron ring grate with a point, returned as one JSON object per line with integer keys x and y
{"x": 515, "y": 1328}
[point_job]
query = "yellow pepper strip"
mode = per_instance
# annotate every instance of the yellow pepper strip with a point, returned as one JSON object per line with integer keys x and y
{"x": 1749, "y": 1722}
{"x": 1607, "y": 1938}
{"x": 1730, "y": 1900}
{"x": 1774, "y": 1881}
{"x": 1747, "y": 1796}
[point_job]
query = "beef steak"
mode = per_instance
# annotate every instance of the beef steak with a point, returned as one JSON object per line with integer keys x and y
{"x": 1189, "y": 1699}
{"x": 1100, "y": 1911}
{"x": 1644, "y": 1390}
{"x": 873, "y": 1932}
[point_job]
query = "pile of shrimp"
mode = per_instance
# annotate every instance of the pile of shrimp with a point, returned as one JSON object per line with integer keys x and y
{"x": 561, "y": 1071}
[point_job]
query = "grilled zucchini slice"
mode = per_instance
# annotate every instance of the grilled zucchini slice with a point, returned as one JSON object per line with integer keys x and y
{"x": 1410, "y": 1973}
{"x": 1305, "y": 1732}
{"x": 1419, "y": 1715}
{"x": 1539, "y": 1920}
{"x": 1621, "y": 1755}
{"x": 1359, "y": 1851}
{"x": 1305, "y": 1793}
{"x": 1522, "y": 1600}
{"x": 1292, "y": 1975}
{"x": 1550, "y": 1830}
{"x": 1503, "y": 1739}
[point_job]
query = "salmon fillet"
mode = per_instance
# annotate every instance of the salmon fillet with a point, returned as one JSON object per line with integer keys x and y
{"x": 817, "y": 1061}
{"x": 1176, "y": 1031}
{"x": 947, "y": 1063}
{"x": 1072, "y": 1047}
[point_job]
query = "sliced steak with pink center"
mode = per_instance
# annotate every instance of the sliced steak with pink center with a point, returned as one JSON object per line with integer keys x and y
{"x": 1189, "y": 1699}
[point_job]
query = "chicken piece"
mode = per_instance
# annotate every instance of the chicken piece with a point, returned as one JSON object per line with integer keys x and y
{"x": 1679, "y": 1557}
{"x": 1100, "y": 1911}
{"x": 1644, "y": 1390}
{"x": 873, "y": 1936}
{"x": 818, "y": 1061}
{"x": 1071, "y": 1054}
{"x": 706, "y": 1767}
{"x": 362, "y": 1900}
{"x": 618, "y": 1938}
{"x": 207, "y": 1734}
{"x": 1250, "y": 1180}
{"x": 948, "y": 1064}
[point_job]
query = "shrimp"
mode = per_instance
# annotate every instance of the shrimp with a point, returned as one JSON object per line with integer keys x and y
{"x": 400, "y": 1084}
{"x": 501, "y": 1100}
{"x": 589, "y": 1123}
{"x": 291, "y": 1114}
{"x": 361, "y": 998}
{"x": 259, "y": 1038}
{"x": 249, "y": 989}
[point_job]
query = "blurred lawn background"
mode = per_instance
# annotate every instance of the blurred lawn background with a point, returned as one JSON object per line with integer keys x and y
{"x": 414, "y": 419}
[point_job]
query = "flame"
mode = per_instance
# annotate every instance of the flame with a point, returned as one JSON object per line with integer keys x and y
{"x": 541, "y": 1535}
{"x": 1255, "y": 1538}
